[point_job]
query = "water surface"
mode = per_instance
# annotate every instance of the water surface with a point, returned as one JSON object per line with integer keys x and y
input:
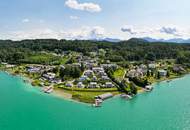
{"x": 23, "y": 107}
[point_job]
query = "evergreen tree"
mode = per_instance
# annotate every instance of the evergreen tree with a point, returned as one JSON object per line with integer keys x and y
{"x": 158, "y": 75}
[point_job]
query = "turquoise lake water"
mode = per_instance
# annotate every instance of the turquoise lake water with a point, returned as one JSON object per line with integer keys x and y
{"x": 23, "y": 107}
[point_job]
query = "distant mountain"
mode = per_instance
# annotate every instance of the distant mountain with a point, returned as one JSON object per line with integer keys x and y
{"x": 111, "y": 40}
{"x": 139, "y": 40}
{"x": 174, "y": 40}
{"x": 107, "y": 39}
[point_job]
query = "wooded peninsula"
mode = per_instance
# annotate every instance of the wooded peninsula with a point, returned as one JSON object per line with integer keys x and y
{"x": 84, "y": 69}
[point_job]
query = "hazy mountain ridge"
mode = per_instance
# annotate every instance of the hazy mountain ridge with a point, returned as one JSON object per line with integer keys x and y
{"x": 174, "y": 40}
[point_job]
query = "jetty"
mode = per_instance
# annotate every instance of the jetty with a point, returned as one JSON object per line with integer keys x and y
{"x": 100, "y": 98}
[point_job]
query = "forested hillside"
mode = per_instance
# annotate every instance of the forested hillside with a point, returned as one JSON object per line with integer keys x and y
{"x": 131, "y": 50}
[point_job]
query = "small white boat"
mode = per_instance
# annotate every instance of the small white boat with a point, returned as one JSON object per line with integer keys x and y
{"x": 48, "y": 89}
{"x": 148, "y": 88}
{"x": 97, "y": 103}
{"x": 126, "y": 96}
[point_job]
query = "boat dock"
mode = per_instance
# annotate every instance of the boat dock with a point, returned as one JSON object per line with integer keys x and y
{"x": 100, "y": 98}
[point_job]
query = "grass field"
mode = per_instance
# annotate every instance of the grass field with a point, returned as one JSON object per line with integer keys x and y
{"x": 87, "y": 95}
{"x": 119, "y": 73}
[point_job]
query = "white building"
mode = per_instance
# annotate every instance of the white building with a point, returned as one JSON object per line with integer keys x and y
{"x": 88, "y": 73}
{"x": 83, "y": 78}
{"x": 134, "y": 73}
{"x": 162, "y": 72}
{"x": 151, "y": 66}
{"x": 49, "y": 76}
{"x": 80, "y": 85}
{"x": 93, "y": 85}
{"x": 109, "y": 85}
{"x": 69, "y": 84}
{"x": 105, "y": 78}
{"x": 97, "y": 69}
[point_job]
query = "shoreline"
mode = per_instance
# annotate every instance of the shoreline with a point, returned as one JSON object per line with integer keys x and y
{"x": 60, "y": 93}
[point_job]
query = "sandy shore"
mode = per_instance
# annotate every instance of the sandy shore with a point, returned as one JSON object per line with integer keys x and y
{"x": 62, "y": 94}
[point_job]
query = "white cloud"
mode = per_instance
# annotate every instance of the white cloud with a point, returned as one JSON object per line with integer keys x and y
{"x": 128, "y": 29}
{"x": 25, "y": 20}
{"x": 90, "y": 7}
{"x": 74, "y": 17}
{"x": 170, "y": 31}
{"x": 165, "y": 32}
{"x": 83, "y": 33}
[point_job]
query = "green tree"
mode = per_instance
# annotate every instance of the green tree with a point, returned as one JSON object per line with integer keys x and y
{"x": 158, "y": 75}
{"x": 168, "y": 74}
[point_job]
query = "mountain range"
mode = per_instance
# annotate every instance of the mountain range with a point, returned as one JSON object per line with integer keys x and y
{"x": 149, "y": 39}
{"x": 174, "y": 40}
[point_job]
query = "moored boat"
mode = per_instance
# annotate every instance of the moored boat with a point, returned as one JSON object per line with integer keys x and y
{"x": 148, "y": 88}
{"x": 97, "y": 103}
{"x": 48, "y": 89}
{"x": 126, "y": 96}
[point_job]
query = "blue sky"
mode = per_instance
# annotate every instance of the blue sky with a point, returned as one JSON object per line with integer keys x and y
{"x": 87, "y": 19}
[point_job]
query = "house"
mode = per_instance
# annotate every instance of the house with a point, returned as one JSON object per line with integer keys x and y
{"x": 88, "y": 64}
{"x": 105, "y": 78}
{"x": 109, "y": 85}
{"x": 3, "y": 63}
{"x": 135, "y": 73}
{"x": 79, "y": 58}
{"x": 9, "y": 66}
{"x": 32, "y": 69}
{"x": 97, "y": 69}
{"x": 102, "y": 73}
{"x": 178, "y": 69}
{"x": 142, "y": 71}
{"x": 49, "y": 76}
{"x": 80, "y": 85}
{"x": 94, "y": 78}
{"x": 56, "y": 81}
{"x": 143, "y": 68}
{"x": 88, "y": 73}
{"x": 69, "y": 84}
{"x": 93, "y": 85}
{"x": 162, "y": 72}
{"x": 83, "y": 78}
{"x": 151, "y": 66}
{"x": 76, "y": 65}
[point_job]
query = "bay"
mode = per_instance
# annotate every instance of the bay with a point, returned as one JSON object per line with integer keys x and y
{"x": 23, "y": 107}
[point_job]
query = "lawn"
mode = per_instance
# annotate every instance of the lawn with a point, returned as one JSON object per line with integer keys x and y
{"x": 87, "y": 95}
{"x": 63, "y": 60}
{"x": 41, "y": 58}
{"x": 119, "y": 73}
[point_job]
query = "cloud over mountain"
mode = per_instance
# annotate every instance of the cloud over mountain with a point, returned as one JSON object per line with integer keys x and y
{"x": 170, "y": 31}
{"x": 128, "y": 29}
{"x": 83, "y": 33}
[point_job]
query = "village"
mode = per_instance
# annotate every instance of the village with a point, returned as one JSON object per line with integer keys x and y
{"x": 94, "y": 81}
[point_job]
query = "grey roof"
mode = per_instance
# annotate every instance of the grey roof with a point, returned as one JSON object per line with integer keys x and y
{"x": 105, "y": 96}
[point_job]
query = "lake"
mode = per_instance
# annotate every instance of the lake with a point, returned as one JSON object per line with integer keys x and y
{"x": 23, "y": 107}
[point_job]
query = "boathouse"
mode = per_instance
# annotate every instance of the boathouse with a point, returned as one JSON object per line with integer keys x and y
{"x": 104, "y": 96}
